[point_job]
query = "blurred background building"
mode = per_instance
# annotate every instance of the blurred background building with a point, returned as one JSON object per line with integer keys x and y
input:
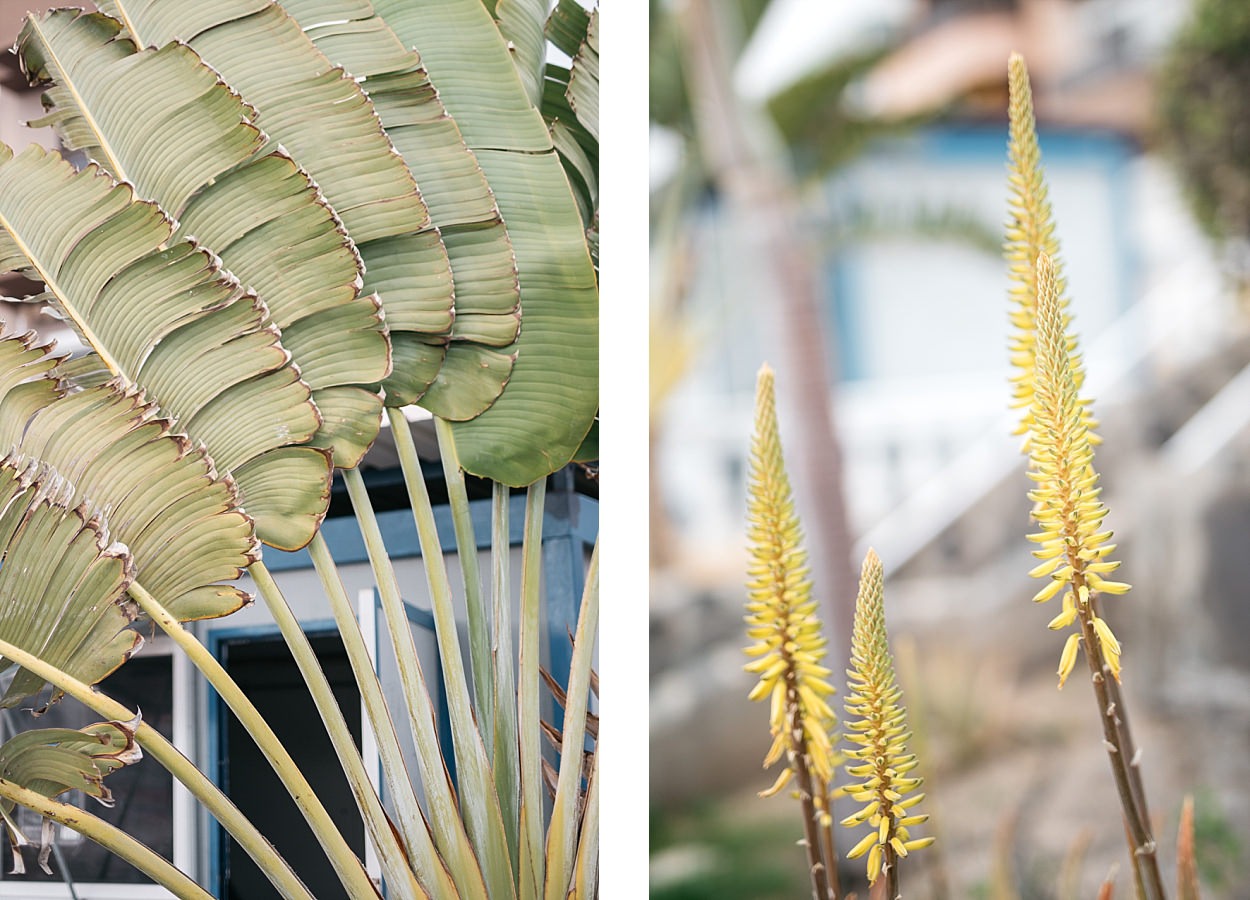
{"x": 880, "y": 132}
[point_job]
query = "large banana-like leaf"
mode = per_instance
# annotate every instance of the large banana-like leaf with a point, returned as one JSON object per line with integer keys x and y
{"x": 51, "y": 761}
{"x": 164, "y": 318}
{"x": 545, "y": 411}
{"x": 74, "y": 616}
{"x": 521, "y": 23}
{"x": 323, "y": 119}
{"x": 164, "y": 122}
{"x": 313, "y": 109}
{"x": 55, "y": 760}
{"x": 177, "y": 518}
{"x": 573, "y": 30}
{"x": 583, "y": 90}
{"x": 566, "y": 26}
{"x": 461, "y": 205}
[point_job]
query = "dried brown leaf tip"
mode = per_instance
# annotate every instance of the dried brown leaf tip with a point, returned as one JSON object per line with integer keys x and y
{"x": 1186, "y": 858}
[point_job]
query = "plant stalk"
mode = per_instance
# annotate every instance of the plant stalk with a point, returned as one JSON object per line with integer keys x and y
{"x": 586, "y": 868}
{"x": 1120, "y": 750}
{"x": 529, "y": 725}
{"x": 505, "y": 759}
{"x": 889, "y": 868}
{"x": 110, "y": 837}
{"x": 276, "y": 869}
{"x": 411, "y": 822}
{"x": 447, "y": 825}
{"x": 396, "y": 869}
{"x": 562, "y": 832}
{"x": 827, "y": 849}
{"x": 817, "y": 870}
{"x": 475, "y": 606}
{"x": 479, "y": 804}
{"x": 346, "y": 865}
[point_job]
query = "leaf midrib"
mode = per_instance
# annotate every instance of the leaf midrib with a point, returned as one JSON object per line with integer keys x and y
{"x": 52, "y": 285}
{"x": 115, "y": 166}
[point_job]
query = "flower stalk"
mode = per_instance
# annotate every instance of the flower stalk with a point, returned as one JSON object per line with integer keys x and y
{"x": 1030, "y": 233}
{"x": 1074, "y": 553}
{"x": 781, "y": 620}
{"x": 880, "y": 764}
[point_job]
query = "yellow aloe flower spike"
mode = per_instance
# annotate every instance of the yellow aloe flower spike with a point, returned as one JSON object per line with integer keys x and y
{"x": 1066, "y": 503}
{"x": 781, "y": 614}
{"x": 880, "y": 764}
{"x": 1030, "y": 232}
{"x": 788, "y": 649}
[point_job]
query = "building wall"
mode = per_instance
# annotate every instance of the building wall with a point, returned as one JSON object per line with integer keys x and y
{"x": 917, "y": 318}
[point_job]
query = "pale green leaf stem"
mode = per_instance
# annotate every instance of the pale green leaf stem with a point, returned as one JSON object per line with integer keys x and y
{"x": 110, "y": 837}
{"x": 444, "y": 815}
{"x": 479, "y": 804}
{"x": 586, "y": 870}
{"x": 504, "y": 759}
{"x": 276, "y": 869}
{"x": 565, "y": 818}
{"x": 347, "y": 866}
{"x": 529, "y": 715}
{"x": 475, "y": 604}
{"x": 411, "y": 822}
{"x": 395, "y": 869}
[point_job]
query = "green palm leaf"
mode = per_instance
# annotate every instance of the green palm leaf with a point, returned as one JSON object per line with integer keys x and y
{"x": 176, "y": 517}
{"x": 461, "y": 205}
{"x": 574, "y": 31}
{"x": 74, "y": 617}
{"x": 521, "y": 23}
{"x": 52, "y": 761}
{"x": 164, "y": 318}
{"x": 545, "y": 411}
{"x": 583, "y": 92}
{"x": 164, "y": 122}
{"x": 55, "y": 760}
{"x": 566, "y": 26}
{"x": 323, "y": 119}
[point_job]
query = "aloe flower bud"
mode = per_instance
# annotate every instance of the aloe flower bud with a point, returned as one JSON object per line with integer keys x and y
{"x": 1074, "y": 547}
{"x": 880, "y": 764}
{"x": 781, "y": 614}
{"x": 1030, "y": 233}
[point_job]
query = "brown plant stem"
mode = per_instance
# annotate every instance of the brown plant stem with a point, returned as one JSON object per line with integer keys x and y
{"x": 826, "y": 843}
{"x": 1120, "y": 749}
{"x": 817, "y": 869}
{"x": 889, "y": 866}
{"x": 1134, "y": 766}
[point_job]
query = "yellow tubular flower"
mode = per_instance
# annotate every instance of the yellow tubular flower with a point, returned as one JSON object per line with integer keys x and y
{"x": 781, "y": 615}
{"x": 1030, "y": 232}
{"x": 1066, "y": 503}
{"x": 877, "y": 723}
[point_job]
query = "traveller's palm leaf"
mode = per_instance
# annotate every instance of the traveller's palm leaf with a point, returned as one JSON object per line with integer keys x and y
{"x": 164, "y": 318}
